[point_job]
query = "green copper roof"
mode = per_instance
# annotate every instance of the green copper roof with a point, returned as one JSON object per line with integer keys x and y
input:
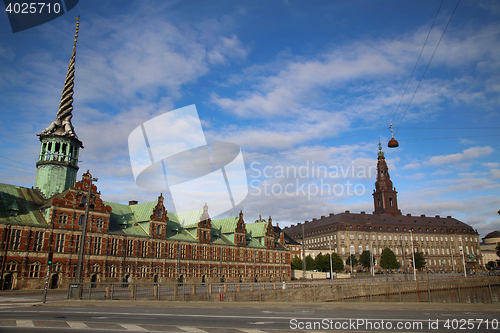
{"x": 28, "y": 204}
{"x": 227, "y": 225}
{"x": 257, "y": 229}
{"x": 143, "y": 212}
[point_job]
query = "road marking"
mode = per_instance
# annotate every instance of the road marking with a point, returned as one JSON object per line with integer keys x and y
{"x": 76, "y": 324}
{"x": 191, "y": 329}
{"x": 25, "y": 323}
{"x": 249, "y": 330}
{"x": 133, "y": 327}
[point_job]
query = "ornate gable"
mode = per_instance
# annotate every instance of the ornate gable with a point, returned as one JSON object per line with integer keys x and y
{"x": 270, "y": 234}
{"x": 159, "y": 212}
{"x": 204, "y": 232}
{"x": 240, "y": 232}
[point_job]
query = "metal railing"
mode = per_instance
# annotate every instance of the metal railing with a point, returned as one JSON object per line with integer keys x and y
{"x": 409, "y": 291}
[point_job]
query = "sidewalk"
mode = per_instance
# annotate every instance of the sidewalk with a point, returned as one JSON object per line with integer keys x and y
{"x": 284, "y": 305}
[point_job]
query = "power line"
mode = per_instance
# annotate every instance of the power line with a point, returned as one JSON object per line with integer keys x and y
{"x": 428, "y": 64}
{"x": 416, "y": 63}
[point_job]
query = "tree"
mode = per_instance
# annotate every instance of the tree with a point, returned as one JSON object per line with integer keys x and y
{"x": 498, "y": 249}
{"x": 352, "y": 258}
{"x": 388, "y": 259}
{"x": 419, "y": 260}
{"x": 309, "y": 263}
{"x": 490, "y": 265}
{"x": 365, "y": 259}
{"x": 322, "y": 262}
{"x": 337, "y": 263}
{"x": 297, "y": 263}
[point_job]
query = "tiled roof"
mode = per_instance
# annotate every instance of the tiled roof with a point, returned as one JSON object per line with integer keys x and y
{"x": 27, "y": 201}
{"x": 363, "y": 220}
{"x": 226, "y": 225}
{"x": 257, "y": 229}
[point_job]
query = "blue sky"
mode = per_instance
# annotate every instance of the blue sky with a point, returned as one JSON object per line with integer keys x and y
{"x": 299, "y": 87}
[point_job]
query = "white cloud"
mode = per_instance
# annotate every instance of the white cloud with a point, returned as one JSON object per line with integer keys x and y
{"x": 495, "y": 173}
{"x": 411, "y": 166}
{"x": 227, "y": 48}
{"x": 466, "y": 156}
{"x": 491, "y": 164}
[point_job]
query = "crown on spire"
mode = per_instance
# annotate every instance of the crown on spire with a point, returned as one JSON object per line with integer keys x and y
{"x": 62, "y": 125}
{"x": 380, "y": 153}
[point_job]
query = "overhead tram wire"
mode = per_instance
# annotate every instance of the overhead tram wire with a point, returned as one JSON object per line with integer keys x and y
{"x": 416, "y": 63}
{"x": 428, "y": 64}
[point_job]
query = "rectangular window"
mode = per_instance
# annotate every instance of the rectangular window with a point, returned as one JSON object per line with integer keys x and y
{"x": 59, "y": 243}
{"x": 77, "y": 243}
{"x": 34, "y": 270}
{"x": 130, "y": 248}
{"x": 144, "y": 249}
{"x": 38, "y": 241}
{"x": 114, "y": 247}
{"x": 15, "y": 239}
{"x": 97, "y": 245}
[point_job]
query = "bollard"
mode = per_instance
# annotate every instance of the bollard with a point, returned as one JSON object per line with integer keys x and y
{"x": 193, "y": 289}
{"x": 238, "y": 287}
{"x": 155, "y": 290}
{"x": 176, "y": 290}
{"x": 132, "y": 291}
{"x": 107, "y": 292}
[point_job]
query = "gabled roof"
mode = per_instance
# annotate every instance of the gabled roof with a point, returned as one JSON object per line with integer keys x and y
{"x": 28, "y": 202}
{"x": 226, "y": 225}
{"x": 257, "y": 229}
{"x": 123, "y": 220}
{"x": 363, "y": 220}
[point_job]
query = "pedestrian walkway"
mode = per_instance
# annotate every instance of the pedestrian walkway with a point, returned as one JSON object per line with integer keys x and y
{"x": 78, "y": 325}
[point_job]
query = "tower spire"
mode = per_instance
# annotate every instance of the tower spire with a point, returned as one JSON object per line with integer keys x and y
{"x": 57, "y": 165}
{"x": 62, "y": 125}
{"x": 384, "y": 195}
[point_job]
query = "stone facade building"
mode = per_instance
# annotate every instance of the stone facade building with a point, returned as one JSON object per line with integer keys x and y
{"x": 441, "y": 239}
{"x": 68, "y": 221}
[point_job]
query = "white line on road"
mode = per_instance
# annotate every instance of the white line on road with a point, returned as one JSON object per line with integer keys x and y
{"x": 76, "y": 324}
{"x": 133, "y": 327}
{"x": 25, "y": 323}
{"x": 249, "y": 330}
{"x": 191, "y": 329}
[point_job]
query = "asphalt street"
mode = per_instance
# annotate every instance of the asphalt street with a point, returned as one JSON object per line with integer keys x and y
{"x": 250, "y": 317}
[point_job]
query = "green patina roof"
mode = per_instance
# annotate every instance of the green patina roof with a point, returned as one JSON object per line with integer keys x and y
{"x": 257, "y": 229}
{"x": 123, "y": 220}
{"x": 189, "y": 219}
{"x": 254, "y": 242}
{"x": 28, "y": 204}
{"x": 142, "y": 212}
{"x": 227, "y": 225}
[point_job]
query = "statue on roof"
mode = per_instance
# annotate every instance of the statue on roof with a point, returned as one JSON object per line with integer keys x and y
{"x": 62, "y": 124}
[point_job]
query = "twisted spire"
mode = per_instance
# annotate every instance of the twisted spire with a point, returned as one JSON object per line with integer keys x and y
{"x": 62, "y": 125}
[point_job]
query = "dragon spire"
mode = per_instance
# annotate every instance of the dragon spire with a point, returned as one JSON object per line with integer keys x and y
{"x": 62, "y": 125}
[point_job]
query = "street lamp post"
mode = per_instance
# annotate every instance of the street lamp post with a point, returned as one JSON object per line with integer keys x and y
{"x": 371, "y": 262}
{"x": 331, "y": 263}
{"x": 463, "y": 256}
{"x": 413, "y": 256}
{"x": 452, "y": 260}
{"x": 81, "y": 250}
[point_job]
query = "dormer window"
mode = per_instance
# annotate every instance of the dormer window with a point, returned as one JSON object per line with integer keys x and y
{"x": 160, "y": 212}
{"x": 158, "y": 230}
